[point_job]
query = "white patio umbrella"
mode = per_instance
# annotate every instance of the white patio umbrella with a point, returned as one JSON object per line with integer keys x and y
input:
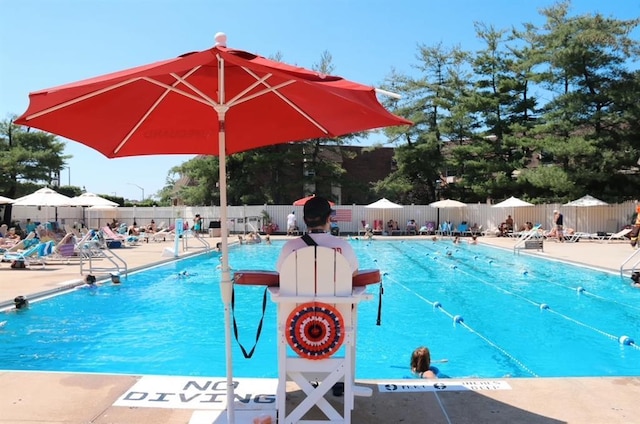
{"x": 512, "y": 202}
{"x": 446, "y": 204}
{"x": 383, "y": 204}
{"x": 44, "y": 197}
{"x": 91, "y": 199}
{"x": 585, "y": 202}
{"x": 5, "y": 200}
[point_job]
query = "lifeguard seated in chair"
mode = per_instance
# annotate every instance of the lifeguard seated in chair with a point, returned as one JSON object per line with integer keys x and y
{"x": 318, "y": 294}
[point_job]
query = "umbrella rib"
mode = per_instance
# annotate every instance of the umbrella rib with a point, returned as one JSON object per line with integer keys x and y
{"x": 209, "y": 100}
{"x": 155, "y": 104}
{"x": 275, "y": 91}
{"x": 81, "y": 98}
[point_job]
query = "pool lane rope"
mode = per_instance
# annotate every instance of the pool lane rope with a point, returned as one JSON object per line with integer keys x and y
{"x": 459, "y": 320}
{"x": 315, "y": 330}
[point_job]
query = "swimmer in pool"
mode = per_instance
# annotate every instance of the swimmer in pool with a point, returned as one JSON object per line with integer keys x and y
{"x": 421, "y": 363}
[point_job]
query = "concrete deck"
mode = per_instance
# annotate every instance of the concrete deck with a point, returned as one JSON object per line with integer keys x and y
{"x": 34, "y": 397}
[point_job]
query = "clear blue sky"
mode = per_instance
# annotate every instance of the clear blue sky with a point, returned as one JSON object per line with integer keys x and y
{"x": 44, "y": 43}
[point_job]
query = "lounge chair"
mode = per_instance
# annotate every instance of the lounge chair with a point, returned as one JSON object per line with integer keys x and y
{"x": 110, "y": 236}
{"x": 620, "y": 235}
{"x": 35, "y": 254}
{"x": 22, "y": 244}
{"x": 162, "y": 235}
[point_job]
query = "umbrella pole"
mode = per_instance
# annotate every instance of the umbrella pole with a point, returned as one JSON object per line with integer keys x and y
{"x": 226, "y": 288}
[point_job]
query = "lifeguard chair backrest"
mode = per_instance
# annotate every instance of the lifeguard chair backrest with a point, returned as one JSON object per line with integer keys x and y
{"x": 315, "y": 270}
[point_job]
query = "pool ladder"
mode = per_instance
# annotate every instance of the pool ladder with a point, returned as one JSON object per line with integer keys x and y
{"x": 631, "y": 264}
{"x": 90, "y": 252}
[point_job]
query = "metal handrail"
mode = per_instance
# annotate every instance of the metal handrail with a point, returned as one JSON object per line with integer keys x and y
{"x": 185, "y": 242}
{"x": 634, "y": 267}
{"x": 525, "y": 236}
{"x": 89, "y": 252}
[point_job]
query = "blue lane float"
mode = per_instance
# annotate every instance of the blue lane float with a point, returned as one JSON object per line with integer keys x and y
{"x": 625, "y": 340}
{"x": 458, "y": 319}
{"x": 544, "y": 306}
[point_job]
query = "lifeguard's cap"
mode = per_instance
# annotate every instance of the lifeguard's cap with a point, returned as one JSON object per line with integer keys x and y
{"x": 316, "y": 211}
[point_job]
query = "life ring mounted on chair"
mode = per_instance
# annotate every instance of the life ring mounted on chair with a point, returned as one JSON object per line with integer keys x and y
{"x": 315, "y": 330}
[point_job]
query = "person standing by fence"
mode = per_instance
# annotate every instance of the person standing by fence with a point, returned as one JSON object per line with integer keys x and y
{"x": 636, "y": 228}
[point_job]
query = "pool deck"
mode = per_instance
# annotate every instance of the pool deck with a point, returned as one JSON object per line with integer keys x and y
{"x": 69, "y": 398}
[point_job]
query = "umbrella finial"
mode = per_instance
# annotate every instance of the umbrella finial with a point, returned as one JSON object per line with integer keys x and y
{"x": 221, "y": 39}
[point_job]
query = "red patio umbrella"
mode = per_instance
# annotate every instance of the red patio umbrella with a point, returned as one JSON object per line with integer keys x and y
{"x": 301, "y": 202}
{"x": 217, "y": 101}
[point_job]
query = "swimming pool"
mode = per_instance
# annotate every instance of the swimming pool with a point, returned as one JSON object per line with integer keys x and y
{"x": 480, "y": 308}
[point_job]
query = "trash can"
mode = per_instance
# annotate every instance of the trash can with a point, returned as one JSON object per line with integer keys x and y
{"x": 214, "y": 229}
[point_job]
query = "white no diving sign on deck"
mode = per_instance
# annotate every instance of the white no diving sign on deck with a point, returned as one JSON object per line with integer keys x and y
{"x": 208, "y": 393}
{"x": 443, "y": 385}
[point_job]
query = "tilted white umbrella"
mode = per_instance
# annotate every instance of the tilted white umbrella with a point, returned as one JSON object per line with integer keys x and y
{"x": 585, "y": 202}
{"x": 43, "y": 197}
{"x": 446, "y": 204}
{"x": 5, "y": 200}
{"x": 91, "y": 199}
{"x": 383, "y": 204}
{"x": 513, "y": 202}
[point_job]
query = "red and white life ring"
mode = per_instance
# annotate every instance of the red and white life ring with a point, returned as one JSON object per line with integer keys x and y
{"x": 315, "y": 330}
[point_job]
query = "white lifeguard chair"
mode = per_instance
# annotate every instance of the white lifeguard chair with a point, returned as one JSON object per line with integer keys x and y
{"x": 317, "y": 315}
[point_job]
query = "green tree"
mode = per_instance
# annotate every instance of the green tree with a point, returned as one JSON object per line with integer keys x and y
{"x": 28, "y": 160}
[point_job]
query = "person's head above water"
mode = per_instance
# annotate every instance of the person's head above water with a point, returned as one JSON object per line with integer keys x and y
{"x": 420, "y": 359}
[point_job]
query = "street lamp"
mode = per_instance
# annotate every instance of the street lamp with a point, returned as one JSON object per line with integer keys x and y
{"x": 139, "y": 188}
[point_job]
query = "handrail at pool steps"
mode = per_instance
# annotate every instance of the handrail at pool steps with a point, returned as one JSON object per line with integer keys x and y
{"x": 119, "y": 264}
{"x": 634, "y": 267}
{"x": 529, "y": 240}
{"x": 190, "y": 234}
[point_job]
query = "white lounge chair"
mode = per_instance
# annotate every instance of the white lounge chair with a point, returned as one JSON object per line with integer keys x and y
{"x": 620, "y": 235}
{"x": 162, "y": 235}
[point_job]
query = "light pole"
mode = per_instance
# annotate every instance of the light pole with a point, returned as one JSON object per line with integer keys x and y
{"x": 139, "y": 188}
{"x": 69, "y": 169}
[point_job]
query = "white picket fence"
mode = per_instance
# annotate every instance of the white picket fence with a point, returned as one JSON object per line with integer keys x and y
{"x": 609, "y": 218}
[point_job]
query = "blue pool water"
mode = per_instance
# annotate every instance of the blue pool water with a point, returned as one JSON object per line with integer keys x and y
{"x": 159, "y": 323}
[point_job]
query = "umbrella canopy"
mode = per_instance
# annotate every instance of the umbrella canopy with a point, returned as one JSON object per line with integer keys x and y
{"x": 383, "y": 204}
{"x": 512, "y": 202}
{"x": 91, "y": 199}
{"x": 447, "y": 203}
{"x": 586, "y": 201}
{"x": 5, "y": 200}
{"x": 301, "y": 202}
{"x": 43, "y": 197}
{"x": 217, "y": 101}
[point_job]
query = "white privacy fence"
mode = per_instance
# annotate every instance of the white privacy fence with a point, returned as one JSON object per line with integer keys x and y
{"x": 609, "y": 218}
